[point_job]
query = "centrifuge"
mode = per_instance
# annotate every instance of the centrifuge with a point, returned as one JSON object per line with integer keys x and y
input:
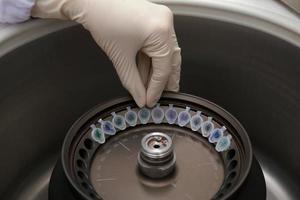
{"x": 242, "y": 55}
{"x": 185, "y": 147}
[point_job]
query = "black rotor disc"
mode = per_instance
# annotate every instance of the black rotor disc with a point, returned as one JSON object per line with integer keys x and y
{"x": 105, "y": 166}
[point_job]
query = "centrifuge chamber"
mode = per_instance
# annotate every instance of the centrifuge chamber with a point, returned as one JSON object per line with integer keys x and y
{"x": 52, "y": 72}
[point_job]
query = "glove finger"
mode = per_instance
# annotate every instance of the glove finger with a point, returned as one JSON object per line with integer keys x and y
{"x": 174, "y": 79}
{"x": 159, "y": 46}
{"x": 161, "y": 67}
{"x": 130, "y": 78}
{"x": 144, "y": 65}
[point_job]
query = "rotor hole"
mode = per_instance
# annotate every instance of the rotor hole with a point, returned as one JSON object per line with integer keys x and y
{"x": 232, "y": 165}
{"x": 80, "y": 164}
{"x": 92, "y": 195}
{"x": 220, "y": 195}
{"x": 81, "y": 175}
{"x": 231, "y": 153}
{"x": 228, "y": 185}
{"x": 231, "y": 176}
{"x": 85, "y": 185}
{"x": 88, "y": 143}
{"x": 83, "y": 153}
{"x": 156, "y": 146}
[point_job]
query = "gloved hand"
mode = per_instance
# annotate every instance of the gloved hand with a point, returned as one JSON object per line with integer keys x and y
{"x": 138, "y": 36}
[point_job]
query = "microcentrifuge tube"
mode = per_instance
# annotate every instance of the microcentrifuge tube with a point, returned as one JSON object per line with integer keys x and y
{"x": 118, "y": 121}
{"x": 184, "y": 117}
{"x": 157, "y": 114}
{"x": 171, "y": 114}
{"x": 224, "y": 143}
{"x": 97, "y": 134}
{"x": 144, "y": 115}
{"x": 216, "y": 134}
{"x": 207, "y": 127}
{"x": 196, "y": 121}
{"x": 107, "y": 127}
{"x": 131, "y": 117}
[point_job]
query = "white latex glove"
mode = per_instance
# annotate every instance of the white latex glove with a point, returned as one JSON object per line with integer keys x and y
{"x": 138, "y": 36}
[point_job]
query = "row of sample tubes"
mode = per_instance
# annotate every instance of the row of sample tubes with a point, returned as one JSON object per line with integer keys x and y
{"x": 183, "y": 118}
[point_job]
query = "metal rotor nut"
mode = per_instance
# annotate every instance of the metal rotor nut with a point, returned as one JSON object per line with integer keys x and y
{"x": 156, "y": 158}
